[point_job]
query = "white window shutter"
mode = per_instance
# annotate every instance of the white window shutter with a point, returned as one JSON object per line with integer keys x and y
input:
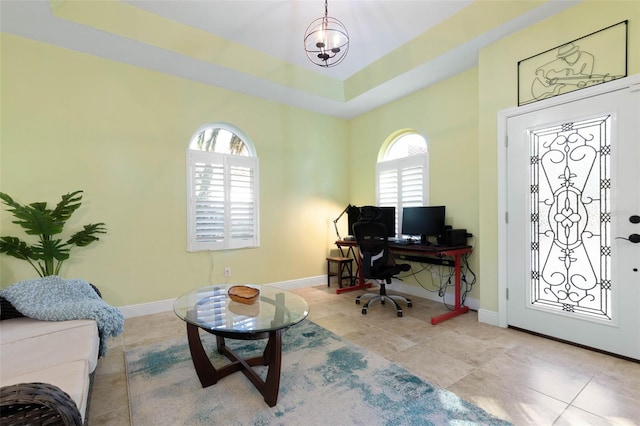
{"x": 412, "y": 178}
{"x": 243, "y": 207}
{"x": 222, "y": 209}
{"x": 403, "y": 182}
{"x": 388, "y": 187}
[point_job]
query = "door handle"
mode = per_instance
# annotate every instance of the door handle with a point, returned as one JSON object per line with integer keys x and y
{"x": 634, "y": 219}
{"x": 634, "y": 238}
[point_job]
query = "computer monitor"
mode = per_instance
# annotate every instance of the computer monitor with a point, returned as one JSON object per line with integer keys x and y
{"x": 423, "y": 221}
{"x": 387, "y": 216}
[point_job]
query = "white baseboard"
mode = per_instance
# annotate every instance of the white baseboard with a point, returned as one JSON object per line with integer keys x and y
{"x": 141, "y": 309}
{"x": 149, "y": 308}
{"x": 488, "y": 317}
{"x": 300, "y": 283}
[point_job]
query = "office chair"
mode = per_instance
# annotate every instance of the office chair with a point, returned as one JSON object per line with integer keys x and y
{"x": 376, "y": 261}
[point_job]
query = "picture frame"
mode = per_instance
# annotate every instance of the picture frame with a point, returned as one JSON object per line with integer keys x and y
{"x": 593, "y": 59}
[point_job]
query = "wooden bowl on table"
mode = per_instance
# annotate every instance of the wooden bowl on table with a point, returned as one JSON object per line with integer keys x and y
{"x": 244, "y": 294}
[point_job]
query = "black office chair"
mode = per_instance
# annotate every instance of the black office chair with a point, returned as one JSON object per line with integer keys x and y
{"x": 376, "y": 261}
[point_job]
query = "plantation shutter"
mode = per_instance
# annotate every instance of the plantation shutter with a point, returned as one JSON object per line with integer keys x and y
{"x": 242, "y": 223}
{"x": 403, "y": 182}
{"x": 222, "y": 206}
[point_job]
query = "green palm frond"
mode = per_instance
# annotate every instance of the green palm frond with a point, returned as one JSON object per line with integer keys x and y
{"x": 67, "y": 205}
{"x": 47, "y": 254}
{"x": 87, "y": 235}
{"x": 52, "y": 249}
{"x": 33, "y": 218}
{"x": 15, "y": 247}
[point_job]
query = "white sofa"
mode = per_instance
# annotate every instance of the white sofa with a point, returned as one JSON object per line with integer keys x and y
{"x": 40, "y": 358}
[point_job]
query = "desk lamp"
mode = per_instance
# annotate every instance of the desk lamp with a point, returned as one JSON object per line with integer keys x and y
{"x": 335, "y": 221}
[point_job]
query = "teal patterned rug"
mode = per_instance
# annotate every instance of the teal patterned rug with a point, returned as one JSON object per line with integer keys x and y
{"x": 325, "y": 380}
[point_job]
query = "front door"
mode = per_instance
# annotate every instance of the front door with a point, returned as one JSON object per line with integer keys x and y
{"x": 573, "y": 203}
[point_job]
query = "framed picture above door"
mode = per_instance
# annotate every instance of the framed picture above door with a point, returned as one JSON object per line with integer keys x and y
{"x": 593, "y": 59}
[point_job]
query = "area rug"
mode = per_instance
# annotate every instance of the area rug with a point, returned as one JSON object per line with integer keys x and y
{"x": 325, "y": 380}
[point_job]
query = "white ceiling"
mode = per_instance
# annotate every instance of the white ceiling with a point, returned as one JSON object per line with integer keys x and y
{"x": 276, "y": 28}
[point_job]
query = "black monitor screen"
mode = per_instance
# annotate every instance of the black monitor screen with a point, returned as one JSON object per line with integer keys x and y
{"x": 387, "y": 216}
{"x": 389, "y": 220}
{"x": 423, "y": 221}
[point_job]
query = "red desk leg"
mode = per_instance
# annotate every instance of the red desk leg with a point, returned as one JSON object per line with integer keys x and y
{"x": 458, "y": 308}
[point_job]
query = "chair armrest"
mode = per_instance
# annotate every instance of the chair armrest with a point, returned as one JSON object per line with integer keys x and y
{"x": 37, "y": 403}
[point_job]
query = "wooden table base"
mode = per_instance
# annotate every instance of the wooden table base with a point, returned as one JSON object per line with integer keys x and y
{"x": 272, "y": 357}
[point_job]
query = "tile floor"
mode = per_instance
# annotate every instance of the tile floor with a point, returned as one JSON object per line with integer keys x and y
{"x": 525, "y": 379}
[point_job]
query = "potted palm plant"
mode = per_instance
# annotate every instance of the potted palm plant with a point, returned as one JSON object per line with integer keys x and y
{"x": 50, "y": 251}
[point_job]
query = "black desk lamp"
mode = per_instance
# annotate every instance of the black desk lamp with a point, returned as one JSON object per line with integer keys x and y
{"x": 335, "y": 221}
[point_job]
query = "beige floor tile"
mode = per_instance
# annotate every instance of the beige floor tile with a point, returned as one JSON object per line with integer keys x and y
{"x": 515, "y": 375}
{"x": 113, "y": 363}
{"x": 517, "y": 404}
{"x": 574, "y": 416}
{"x": 605, "y": 400}
{"x": 109, "y": 398}
{"x": 152, "y": 328}
{"x": 621, "y": 375}
{"x": 565, "y": 355}
{"x": 322, "y": 310}
{"x": 400, "y": 326}
{"x": 341, "y": 324}
{"x": 537, "y": 374}
{"x": 436, "y": 367}
{"x": 379, "y": 340}
{"x": 465, "y": 348}
{"x": 111, "y": 418}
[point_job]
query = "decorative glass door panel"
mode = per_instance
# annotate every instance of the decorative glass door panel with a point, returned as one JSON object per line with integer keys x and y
{"x": 570, "y": 217}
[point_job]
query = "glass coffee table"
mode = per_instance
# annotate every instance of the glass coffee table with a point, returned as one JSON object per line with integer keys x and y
{"x": 210, "y": 308}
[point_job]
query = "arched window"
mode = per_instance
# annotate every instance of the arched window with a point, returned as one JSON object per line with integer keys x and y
{"x": 222, "y": 189}
{"x": 402, "y": 173}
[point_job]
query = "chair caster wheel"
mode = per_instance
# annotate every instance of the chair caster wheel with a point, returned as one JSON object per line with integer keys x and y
{"x": 399, "y": 314}
{"x": 409, "y": 304}
{"x": 382, "y": 302}
{"x": 364, "y": 312}
{"x": 357, "y": 301}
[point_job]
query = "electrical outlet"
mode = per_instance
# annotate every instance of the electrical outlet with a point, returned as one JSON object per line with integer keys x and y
{"x": 227, "y": 271}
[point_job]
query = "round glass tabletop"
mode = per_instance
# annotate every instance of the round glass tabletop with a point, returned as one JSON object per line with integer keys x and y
{"x": 211, "y": 308}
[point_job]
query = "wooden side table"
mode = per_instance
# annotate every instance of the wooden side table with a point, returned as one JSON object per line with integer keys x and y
{"x": 344, "y": 265}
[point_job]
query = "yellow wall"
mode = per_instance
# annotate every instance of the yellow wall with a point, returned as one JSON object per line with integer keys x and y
{"x": 74, "y": 121}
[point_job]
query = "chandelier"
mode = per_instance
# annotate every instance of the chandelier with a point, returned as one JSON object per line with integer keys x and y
{"x": 326, "y": 41}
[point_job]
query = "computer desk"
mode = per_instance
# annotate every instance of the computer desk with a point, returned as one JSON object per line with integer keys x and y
{"x": 438, "y": 255}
